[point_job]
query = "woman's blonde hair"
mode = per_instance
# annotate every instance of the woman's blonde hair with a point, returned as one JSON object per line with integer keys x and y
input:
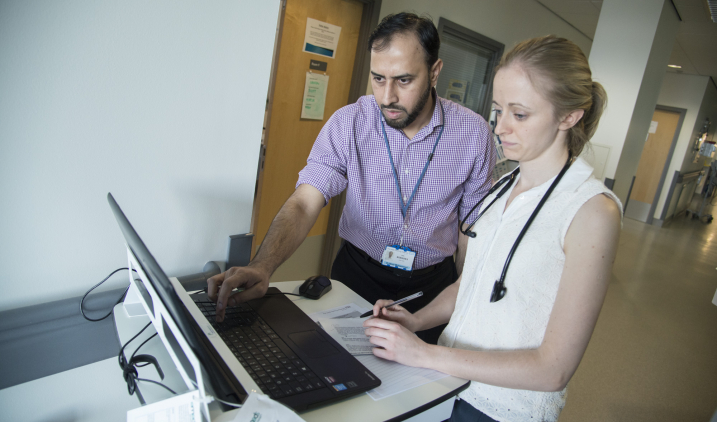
{"x": 560, "y": 71}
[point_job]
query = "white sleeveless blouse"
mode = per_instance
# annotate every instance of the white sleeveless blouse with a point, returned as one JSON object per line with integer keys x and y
{"x": 519, "y": 320}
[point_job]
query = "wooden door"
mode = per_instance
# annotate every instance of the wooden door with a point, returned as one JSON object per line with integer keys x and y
{"x": 288, "y": 138}
{"x": 654, "y": 155}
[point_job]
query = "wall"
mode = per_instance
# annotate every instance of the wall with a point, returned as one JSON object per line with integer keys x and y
{"x": 160, "y": 103}
{"x": 687, "y": 92}
{"x": 490, "y": 18}
{"x": 631, "y": 73}
{"x": 506, "y": 21}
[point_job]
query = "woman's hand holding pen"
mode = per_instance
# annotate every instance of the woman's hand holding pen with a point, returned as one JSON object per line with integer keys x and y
{"x": 395, "y": 313}
{"x": 396, "y": 342}
{"x": 392, "y": 328}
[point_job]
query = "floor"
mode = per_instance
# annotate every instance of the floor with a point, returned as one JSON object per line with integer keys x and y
{"x": 653, "y": 355}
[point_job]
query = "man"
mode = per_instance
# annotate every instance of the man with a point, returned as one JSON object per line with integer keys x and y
{"x": 412, "y": 164}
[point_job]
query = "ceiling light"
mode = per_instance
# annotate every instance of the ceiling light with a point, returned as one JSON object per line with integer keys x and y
{"x": 674, "y": 66}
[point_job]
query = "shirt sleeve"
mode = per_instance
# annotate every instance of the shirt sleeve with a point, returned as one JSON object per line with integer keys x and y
{"x": 326, "y": 166}
{"x": 480, "y": 180}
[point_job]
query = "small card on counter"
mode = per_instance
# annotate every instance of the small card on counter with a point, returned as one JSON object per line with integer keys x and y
{"x": 182, "y": 408}
{"x": 261, "y": 408}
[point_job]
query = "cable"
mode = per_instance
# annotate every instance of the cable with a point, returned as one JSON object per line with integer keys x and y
{"x": 140, "y": 346}
{"x": 228, "y": 403}
{"x": 237, "y": 405}
{"x": 121, "y": 356}
{"x": 82, "y": 301}
{"x": 129, "y": 368}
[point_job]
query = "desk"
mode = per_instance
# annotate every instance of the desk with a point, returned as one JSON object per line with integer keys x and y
{"x": 358, "y": 408}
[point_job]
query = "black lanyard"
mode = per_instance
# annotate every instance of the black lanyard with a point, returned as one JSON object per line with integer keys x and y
{"x": 499, "y": 288}
{"x": 404, "y": 207}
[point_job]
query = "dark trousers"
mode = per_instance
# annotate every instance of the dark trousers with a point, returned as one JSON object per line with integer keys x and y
{"x": 464, "y": 412}
{"x": 373, "y": 281}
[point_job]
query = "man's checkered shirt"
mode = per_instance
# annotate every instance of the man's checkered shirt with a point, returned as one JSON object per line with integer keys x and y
{"x": 351, "y": 152}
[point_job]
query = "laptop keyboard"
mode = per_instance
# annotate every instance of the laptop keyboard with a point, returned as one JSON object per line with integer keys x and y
{"x": 273, "y": 366}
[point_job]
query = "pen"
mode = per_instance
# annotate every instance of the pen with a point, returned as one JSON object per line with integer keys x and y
{"x": 398, "y": 302}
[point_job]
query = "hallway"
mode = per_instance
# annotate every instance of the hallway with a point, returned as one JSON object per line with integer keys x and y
{"x": 653, "y": 355}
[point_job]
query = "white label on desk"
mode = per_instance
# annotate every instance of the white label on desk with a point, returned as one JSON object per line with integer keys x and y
{"x": 260, "y": 408}
{"x": 184, "y": 408}
{"x": 208, "y": 329}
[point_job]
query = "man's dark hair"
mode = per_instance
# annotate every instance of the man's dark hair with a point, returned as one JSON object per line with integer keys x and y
{"x": 401, "y": 23}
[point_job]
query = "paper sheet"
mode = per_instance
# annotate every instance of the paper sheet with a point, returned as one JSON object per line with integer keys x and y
{"x": 182, "y": 408}
{"x": 312, "y": 107}
{"x": 321, "y": 38}
{"x": 349, "y": 333}
{"x": 350, "y": 310}
{"x": 396, "y": 378}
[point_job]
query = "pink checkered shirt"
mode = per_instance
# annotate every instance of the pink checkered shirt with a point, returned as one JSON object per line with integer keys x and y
{"x": 351, "y": 151}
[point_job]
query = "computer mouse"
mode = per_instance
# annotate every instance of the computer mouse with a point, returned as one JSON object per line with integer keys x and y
{"x": 315, "y": 286}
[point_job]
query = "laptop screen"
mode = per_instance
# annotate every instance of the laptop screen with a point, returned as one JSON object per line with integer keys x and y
{"x": 209, "y": 359}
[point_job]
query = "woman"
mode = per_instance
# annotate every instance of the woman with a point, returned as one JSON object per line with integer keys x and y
{"x": 518, "y": 326}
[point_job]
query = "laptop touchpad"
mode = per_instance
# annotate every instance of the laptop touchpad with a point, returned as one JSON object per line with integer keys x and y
{"x": 312, "y": 344}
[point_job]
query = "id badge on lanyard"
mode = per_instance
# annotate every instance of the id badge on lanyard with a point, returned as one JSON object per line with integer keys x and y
{"x": 399, "y": 256}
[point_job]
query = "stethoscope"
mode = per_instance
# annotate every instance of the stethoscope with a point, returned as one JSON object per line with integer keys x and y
{"x": 499, "y": 288}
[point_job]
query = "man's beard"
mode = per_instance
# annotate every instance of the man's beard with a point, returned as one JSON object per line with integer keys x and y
{"x": 412, "y": 116}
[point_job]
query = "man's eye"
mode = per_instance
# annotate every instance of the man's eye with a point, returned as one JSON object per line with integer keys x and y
{"x": 404, "y": 81}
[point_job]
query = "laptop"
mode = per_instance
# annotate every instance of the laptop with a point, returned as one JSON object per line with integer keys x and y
{"x": 265, "y": 345}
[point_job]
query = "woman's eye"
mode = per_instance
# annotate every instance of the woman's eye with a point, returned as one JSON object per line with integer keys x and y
{"x": 498, "y": 112}
{"x": 520, "y": 116}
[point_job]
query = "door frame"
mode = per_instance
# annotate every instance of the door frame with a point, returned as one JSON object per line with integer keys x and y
{"x": 663, "y": 177}
{"x": 265, "y": 132}
{"x": 359, "y": 84}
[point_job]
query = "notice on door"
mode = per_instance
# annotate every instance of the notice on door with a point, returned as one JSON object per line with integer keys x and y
{"x": 314, "y": 96}
{"x": 321, "y": 38}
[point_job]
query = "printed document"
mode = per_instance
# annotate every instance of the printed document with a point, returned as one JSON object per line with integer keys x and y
{"x": 350, "y": 310}
{"x": 395, "y": 377}
{"x": 349, "y": 333}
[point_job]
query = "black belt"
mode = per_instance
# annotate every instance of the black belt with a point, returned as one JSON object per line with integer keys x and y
{"x": 396, "y": 271}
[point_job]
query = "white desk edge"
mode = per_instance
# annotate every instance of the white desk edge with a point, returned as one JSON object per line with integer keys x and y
{"x": 398, "y": 407}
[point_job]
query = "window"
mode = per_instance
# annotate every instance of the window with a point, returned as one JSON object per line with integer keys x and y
{"x": 468, "y": 62}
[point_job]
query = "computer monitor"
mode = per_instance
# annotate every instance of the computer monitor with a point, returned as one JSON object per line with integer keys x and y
{"x": 185, "y": 341}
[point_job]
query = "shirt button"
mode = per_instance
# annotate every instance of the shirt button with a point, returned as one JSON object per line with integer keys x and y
{"x": 405, "y": 226}
{"x": 406, "y": 171}
{"x": 405, "y": 198}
